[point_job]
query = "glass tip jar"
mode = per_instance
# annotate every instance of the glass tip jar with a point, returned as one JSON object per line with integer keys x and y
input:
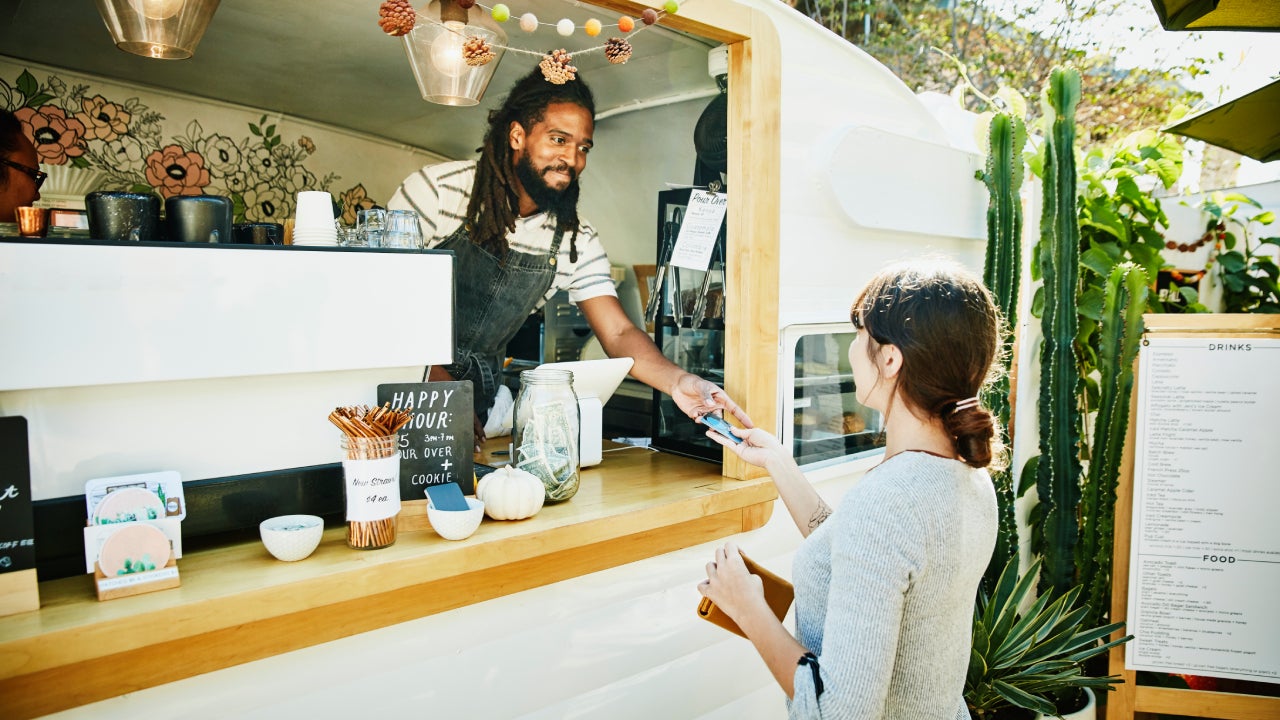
{"x": 546, "y": 431}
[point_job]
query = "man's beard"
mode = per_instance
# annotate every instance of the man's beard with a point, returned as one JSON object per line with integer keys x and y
{"x": 543, "y": 195}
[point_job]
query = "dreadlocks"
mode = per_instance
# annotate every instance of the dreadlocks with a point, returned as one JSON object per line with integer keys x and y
{"x": 491, "y": 212}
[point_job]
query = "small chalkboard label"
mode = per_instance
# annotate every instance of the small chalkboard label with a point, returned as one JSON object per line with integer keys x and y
{"x": 17, "y": 527}
{"x": 437, "y": 443}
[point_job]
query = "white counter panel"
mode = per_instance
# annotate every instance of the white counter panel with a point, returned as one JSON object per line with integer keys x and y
{"x": 89, "y": 314}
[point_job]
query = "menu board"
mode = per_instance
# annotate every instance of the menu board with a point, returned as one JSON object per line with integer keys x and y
{"x": 1205, "y": 554}
{"x": 17, "y": 527}
{"x": 437, "y": 443}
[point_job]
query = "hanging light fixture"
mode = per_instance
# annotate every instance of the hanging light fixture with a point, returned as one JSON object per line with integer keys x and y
{"x": 163, "y": 29}
{"x": 435, "y": 50}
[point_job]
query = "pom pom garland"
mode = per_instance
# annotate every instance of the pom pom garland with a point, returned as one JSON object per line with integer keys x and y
{"x": 397, "y": 17}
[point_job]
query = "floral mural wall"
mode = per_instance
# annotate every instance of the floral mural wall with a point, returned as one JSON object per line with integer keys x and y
{"x": 95, "y": 134}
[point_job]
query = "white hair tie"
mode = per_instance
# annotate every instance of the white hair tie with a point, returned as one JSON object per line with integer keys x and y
{"x": 966, "y": 404}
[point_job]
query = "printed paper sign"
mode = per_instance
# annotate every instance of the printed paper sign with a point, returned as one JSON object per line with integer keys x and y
{"x": 698, "y": 232}
{"x": 1205, "y": 560}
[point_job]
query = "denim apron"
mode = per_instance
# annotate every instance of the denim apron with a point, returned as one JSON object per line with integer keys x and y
{"x": 492, "y": 299}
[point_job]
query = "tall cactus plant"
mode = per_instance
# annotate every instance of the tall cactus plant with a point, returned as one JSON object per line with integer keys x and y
{"x": 1006, "y": 136}
{"x": 1121, "y": 330}
{"x": 1059, "y": 468}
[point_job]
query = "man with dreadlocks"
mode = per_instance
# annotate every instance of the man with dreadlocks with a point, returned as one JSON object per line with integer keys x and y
{"x": 511, "y": 219}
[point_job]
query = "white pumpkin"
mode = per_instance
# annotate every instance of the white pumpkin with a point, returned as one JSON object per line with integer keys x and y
{"x": 510, "y": 493}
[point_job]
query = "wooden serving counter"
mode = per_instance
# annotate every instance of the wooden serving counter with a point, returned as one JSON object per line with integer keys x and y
{"x": 238, "y": 604}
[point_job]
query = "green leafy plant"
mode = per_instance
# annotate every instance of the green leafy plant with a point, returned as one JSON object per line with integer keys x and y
{"x": 1248, "y": 275}
{"x": 1121, "y": 221}
{"x": 1027, "y": 659}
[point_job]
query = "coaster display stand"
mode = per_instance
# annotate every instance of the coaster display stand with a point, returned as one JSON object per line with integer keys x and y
{"x": 161, "y": 578}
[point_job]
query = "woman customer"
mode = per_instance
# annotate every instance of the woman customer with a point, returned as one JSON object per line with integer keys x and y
{"x": 885, "y": 583}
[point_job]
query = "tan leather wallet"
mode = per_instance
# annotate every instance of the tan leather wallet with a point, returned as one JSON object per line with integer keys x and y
{"x": 778, "y": 594}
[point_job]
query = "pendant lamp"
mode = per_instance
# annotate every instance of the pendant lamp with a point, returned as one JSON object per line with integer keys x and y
{"x": 434, "y": 48}
{"x": 162, "y": 29}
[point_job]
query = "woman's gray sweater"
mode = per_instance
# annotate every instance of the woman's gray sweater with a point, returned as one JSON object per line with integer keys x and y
{"x": 885, "y": 592}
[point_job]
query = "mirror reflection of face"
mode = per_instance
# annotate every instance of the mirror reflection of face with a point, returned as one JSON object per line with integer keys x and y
{"x": 552, "y": 154}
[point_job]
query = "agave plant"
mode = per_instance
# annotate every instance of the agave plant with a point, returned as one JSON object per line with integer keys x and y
{"x": 1027, "y": 659}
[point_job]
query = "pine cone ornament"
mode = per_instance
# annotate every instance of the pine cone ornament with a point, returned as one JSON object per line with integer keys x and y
{"x": 617, "y": 50}
{"x": 397, "y": 17}
{"x": 476, "y": 51}
{"x": 556, "y": 68}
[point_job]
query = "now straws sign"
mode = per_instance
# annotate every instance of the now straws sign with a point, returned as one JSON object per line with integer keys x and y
{"x": 436, "y": 444}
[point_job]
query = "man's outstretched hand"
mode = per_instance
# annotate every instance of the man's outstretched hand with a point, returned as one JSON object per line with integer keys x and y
{"x": 697, "y": 397}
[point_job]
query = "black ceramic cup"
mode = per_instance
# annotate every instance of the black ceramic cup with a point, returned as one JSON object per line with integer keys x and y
{"x": 122, "y": 216}
{"x": 199, "y": 218}
{"x": 258, "y": 233}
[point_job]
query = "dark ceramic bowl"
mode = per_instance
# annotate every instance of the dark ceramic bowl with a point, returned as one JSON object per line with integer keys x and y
{"x": 199, "y": 218}
{"x": 123, "y": 217}
{"x": 258, "y": 233}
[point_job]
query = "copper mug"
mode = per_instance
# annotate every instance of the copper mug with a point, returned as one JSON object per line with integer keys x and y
{"x": 32, "y": 221}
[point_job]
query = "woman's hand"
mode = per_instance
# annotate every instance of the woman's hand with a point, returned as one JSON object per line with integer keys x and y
{"x": 758, "y": 447}
{"x": 697, "y": 397}
{"x": 730, "y": 586}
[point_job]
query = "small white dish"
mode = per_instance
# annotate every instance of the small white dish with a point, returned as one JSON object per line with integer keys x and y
{"x": 456, "y": 524}
{"x": 291, "y": 537}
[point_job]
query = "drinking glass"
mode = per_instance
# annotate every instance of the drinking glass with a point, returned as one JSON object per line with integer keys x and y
{"x": 370, "y": 224}
{"x": 402, "y": 230}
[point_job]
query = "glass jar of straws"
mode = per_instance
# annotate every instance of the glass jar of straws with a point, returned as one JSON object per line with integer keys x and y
{"x": 371, "y": 473}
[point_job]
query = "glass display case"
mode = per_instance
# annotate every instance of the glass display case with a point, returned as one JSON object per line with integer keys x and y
{"x": 823, "y": 421}
{"x": 686, "y": 308}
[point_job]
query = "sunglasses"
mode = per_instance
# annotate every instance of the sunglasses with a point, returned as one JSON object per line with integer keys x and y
{"x": 37, "y": 176}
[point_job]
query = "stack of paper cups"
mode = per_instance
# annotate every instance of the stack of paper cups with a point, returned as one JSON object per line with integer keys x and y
{"x": 315, "y": 224}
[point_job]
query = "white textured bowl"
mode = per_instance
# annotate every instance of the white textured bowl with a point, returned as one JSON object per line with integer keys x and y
{"x": 456, "y": 524}
{"x": 291, "y": 537}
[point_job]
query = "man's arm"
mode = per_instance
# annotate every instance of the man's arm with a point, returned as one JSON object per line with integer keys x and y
{"x": 621, "y": 338}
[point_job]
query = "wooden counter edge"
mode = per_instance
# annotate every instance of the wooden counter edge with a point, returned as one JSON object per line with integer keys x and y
{"x": 50, "y": 672}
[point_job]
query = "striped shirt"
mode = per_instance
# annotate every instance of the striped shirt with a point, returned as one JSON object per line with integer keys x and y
{"x": 440, "y": 193}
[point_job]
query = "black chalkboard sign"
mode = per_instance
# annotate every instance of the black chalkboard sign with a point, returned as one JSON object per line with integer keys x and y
{"x": 436, "y": 445}
{"x": 17, "y": 529}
